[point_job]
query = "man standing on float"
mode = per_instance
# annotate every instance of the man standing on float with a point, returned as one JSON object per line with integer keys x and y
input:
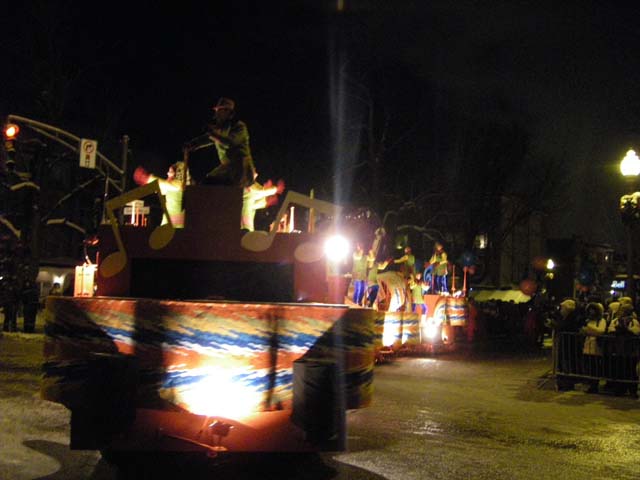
{"x": 231, "y": 139}
{"x": 440, "y": 268}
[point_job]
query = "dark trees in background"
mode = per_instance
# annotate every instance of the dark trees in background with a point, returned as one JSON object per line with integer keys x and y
{"x": 444, "y": 153}
{"x": 479, "y": 177}
{"x": 454, "y": 161}
{"x": 58, "y": 76}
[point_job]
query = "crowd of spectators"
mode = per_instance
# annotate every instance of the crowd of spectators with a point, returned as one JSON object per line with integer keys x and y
{"x": 597, "y": 344}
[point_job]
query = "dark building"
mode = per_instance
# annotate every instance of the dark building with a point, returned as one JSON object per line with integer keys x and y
{"x": 579, "y": 265}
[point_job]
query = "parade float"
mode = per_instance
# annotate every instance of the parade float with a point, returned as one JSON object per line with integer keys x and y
{"x": 401, "y": 331}
{"x": 441, "y": 323}
{"x": 202, "y": 337}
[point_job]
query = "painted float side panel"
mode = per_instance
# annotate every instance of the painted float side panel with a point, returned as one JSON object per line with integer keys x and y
{"x": 403, "y": 329}
{"x": 208, "y": 358}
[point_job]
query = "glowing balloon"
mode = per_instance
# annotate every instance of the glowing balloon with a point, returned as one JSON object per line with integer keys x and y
{"x": 539, "y": 263}
{"x": 582, "y": 288}
{"x": 528, "y": 286}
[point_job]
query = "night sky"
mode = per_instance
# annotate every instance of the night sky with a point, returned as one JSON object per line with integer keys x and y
{"x": 102, "y": 70}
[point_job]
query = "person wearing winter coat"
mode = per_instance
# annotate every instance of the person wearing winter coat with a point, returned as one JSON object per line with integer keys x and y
{"x": 565, "y": 324}
{"x": 624, "y": 351}
{"x": 595, "y": 327}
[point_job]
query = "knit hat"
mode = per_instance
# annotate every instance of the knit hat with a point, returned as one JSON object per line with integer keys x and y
{"x": 626, "y": 300}
{"x": 597, "y": 307}
{"x": 613, "y": 307}
{"x": 567, "y": 307}
{"x": 625, "y": 310}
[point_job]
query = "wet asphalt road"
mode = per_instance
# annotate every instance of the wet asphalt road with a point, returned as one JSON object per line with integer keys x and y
{"x": 475, "y": 416}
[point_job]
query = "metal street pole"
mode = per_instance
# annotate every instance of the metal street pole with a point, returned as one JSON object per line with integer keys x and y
{"x": 630, "y": 169}
{"x": 630, "y": 290}
{"x": 125, "y": 161}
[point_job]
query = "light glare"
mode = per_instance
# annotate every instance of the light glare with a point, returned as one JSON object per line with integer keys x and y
{"x": 11, "y": 131}
{"x": 431, "y": 328}
{"x": 389, "y": 334}
{"x": 336, "y": 248}
{"x": 218, "y": 394}
{"x": 630, "y": 165}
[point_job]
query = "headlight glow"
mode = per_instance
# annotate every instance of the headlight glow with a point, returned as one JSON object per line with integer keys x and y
{"x": 336, "y": 248}
{"x": 431, "y": 328}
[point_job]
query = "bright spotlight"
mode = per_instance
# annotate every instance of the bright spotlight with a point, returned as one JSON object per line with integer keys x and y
{"x": 431, "y": 329}
{"x": 336, "y": 248}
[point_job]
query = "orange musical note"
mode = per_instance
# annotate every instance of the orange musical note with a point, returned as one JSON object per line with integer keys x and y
{"x": 259, "y": 241}
{"x": 159, "y": 238}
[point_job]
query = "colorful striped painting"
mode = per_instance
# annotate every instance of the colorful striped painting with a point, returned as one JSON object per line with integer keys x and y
{"x": 209, "y": 358}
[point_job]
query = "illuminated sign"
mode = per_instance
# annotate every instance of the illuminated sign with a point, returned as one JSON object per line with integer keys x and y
{"x": 618, "y": 284}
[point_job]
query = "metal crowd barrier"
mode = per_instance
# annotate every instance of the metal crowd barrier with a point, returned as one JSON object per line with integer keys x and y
{"x": 613, "y": 357}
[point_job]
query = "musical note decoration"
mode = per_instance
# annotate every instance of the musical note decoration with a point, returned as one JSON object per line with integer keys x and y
{"x": 308, "y": 252}
{"x": 259, "y": 241}
{"x": 159, "y": 238}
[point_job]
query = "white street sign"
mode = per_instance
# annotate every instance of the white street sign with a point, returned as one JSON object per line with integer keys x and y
{"x": 88, "y": 149}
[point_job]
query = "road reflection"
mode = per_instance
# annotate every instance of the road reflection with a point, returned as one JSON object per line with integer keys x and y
{"x": 236, "y": 466}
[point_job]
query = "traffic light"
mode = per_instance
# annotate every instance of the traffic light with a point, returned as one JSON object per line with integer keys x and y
{"x": 10, "y": 133}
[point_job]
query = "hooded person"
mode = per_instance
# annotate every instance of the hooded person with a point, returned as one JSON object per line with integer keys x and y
{"x": 592, "y": 352}
{"x": 628, "y": 301}
{"x": 612, "y": 310}
{"x": 624, "y": 351}
{"x": 625, "y": 321}
{"x": 566, "y": 318}
{"x": 565, "y": 325}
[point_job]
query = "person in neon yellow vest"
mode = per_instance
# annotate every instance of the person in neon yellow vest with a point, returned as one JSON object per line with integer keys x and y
{"x": 255, "y": 197}
{"x": 407, "y": 263}
{"x": 440, "y": 268}
{"x": 373, "y": 266}
{"x": 359, "y": 274}
{"x": 172, "y": 188}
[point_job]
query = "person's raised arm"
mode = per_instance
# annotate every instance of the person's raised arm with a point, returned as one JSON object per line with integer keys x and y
{"x": 402, "y": 259}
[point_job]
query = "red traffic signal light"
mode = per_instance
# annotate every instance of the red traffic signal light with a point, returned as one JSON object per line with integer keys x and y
{"x": 11, "y": 131}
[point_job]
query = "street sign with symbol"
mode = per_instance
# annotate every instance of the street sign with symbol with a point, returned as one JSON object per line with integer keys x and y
{"x": 88, "y": 150}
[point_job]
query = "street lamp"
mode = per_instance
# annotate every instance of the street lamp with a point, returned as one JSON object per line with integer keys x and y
{"x": 630, "y": 168}
{"x": 630, "y": 164}
{"x": 550, "y": 265}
